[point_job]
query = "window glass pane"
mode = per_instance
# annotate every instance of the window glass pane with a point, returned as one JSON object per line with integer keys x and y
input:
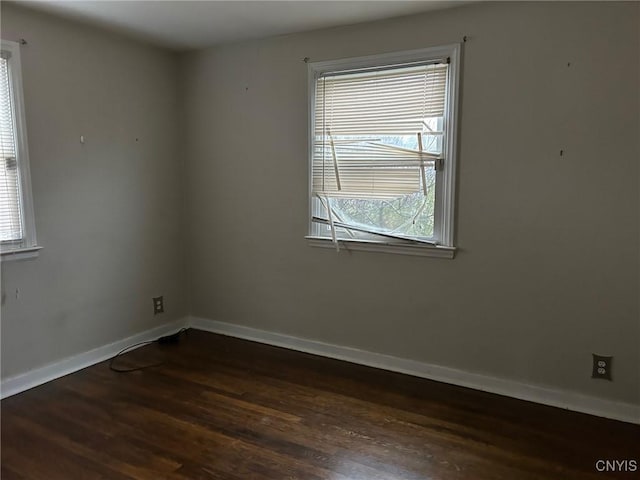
{"x": 405, "y": 215}
{"x": 10, "y": 212}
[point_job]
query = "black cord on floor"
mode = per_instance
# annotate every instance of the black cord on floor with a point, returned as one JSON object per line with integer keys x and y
{"x": 164, "y": 340}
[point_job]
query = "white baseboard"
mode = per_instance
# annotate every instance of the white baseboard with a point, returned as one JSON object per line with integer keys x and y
{"x": 625, "y": 412}
{"x": 33, "y": 378}
{"x": 565, "y": 399}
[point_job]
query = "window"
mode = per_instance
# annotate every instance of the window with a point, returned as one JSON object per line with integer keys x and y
{"x": 383, "y": 152}
{"x": 17, "y": 229}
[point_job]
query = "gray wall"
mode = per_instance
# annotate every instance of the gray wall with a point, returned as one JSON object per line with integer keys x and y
{"x": 547, "y": 271}
{"x": 108, "y": 213}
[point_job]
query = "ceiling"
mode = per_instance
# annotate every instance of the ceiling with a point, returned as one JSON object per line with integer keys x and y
{"x": 184, "y": 25}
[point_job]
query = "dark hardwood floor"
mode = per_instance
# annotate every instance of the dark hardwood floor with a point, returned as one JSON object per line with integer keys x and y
{"x": 222, "y": 408}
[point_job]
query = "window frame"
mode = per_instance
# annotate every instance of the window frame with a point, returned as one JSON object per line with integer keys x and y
{"x": 444, "y": 221}
{"x": 28, "y": 245}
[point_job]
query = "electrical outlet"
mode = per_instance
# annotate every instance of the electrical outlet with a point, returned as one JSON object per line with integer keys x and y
{"x": 158, "y": 305}
{"x": 601, "y": 367}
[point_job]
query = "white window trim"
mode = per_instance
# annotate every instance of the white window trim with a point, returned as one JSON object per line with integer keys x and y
{"x": 29, "y": 246}
{"x": 445, "y": 194}
{"x": 438, "y": 251}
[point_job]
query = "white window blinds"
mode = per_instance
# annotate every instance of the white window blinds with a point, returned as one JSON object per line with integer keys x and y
{"x": 10, "y": 209}
{"x": 370, "y": 127}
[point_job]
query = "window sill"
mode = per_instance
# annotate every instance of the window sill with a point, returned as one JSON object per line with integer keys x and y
{"x": 437, "y": 251}
{"x": 20, "y": 253}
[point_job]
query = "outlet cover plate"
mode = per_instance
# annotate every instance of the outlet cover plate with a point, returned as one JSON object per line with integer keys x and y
{"x": 601, "y": 367}
{"x": 158, "y": 305}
